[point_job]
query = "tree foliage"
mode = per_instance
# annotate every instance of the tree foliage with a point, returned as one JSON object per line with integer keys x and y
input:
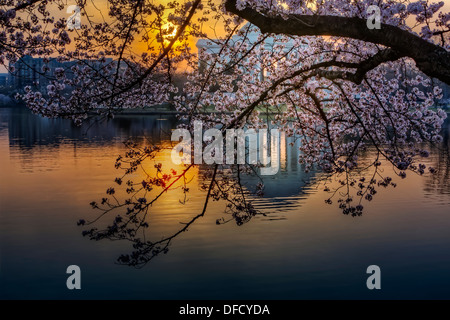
{"x": 338, "y": 86}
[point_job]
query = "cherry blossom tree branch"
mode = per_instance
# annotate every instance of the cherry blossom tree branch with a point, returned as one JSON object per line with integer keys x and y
{"x": 431, "y": 59}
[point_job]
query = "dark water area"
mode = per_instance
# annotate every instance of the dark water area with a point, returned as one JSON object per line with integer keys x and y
{"x": 50, "y": 170}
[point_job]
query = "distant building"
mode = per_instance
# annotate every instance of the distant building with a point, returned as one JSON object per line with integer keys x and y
{"x": 29, "y": 71}
{"x": 251, "y": 34}
{"x": 445, "y": 101}
{"x": 3, "y": 80}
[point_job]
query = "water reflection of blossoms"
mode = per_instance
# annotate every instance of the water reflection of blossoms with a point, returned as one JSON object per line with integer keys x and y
{"x": 128, "y": 205}
{"x": 439, "y": 183}
{"x": 351, "y": 186}
{"x": 130, "y": 214}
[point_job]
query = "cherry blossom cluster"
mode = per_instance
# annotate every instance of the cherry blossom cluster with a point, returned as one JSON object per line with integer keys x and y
{"x": 340, "y": 96}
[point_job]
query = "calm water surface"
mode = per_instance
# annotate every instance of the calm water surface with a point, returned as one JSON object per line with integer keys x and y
{"x": 303, "y": 249}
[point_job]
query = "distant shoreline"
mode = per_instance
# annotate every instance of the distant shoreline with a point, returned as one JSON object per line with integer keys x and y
{"x": 156, "y": 110}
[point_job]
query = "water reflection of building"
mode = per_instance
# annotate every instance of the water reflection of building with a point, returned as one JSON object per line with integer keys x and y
{"x": 284, "y": 189}
{"x": 439, "y": 183}
{"x": 27, "y": 130}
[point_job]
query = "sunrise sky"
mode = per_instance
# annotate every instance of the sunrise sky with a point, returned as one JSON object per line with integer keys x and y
{"x": 98, "y": 10}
